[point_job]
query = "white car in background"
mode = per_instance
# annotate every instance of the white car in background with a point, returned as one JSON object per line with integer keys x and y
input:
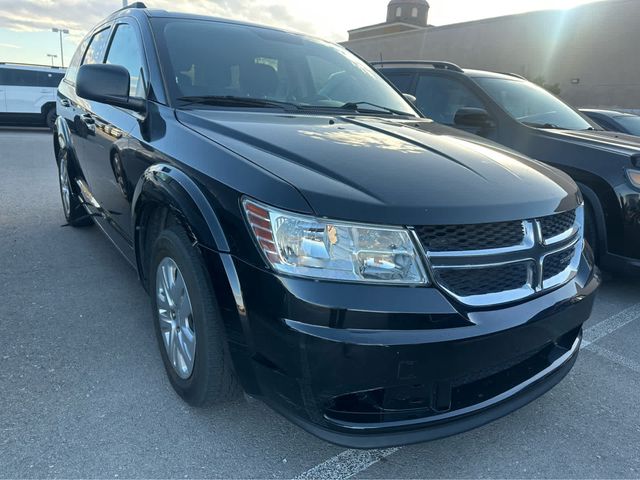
{"x": 28, "y": 93}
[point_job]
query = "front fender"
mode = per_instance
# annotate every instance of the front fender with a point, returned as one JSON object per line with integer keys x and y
{"x": 169, "y": 187}
{"x": 61, "y": 136}
{"x": 166, "y": 185}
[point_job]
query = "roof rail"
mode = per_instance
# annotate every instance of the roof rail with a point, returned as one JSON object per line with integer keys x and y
{"x": 434, "y": 64}
{"x": 133, "y": 5}
{"x": 39, "y": 65}
{"x": 511, "y": 74}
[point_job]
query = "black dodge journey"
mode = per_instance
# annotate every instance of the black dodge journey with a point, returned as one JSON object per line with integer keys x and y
{"x": 306, "y": 236}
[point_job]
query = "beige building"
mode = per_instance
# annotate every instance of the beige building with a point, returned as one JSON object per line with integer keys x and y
{"x": 591, "y": 51}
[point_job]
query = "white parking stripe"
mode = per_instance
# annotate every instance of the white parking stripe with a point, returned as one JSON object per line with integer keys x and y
{"x": 351, "y": 462}
{"x": 346, "y": 464}
{"x": 614, "y": 357}
{"x": 610, "y": 325}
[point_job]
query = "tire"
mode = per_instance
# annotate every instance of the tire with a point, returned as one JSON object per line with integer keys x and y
{"x": 591, "y": 230}
{"x": 50, "y": 117}
{"x": 188, "y": 322}
{"x": 74, "y": 212}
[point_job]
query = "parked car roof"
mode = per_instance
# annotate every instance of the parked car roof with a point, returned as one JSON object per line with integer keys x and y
{"x": 610, "y": 113}
{"x": 29, "y": 66}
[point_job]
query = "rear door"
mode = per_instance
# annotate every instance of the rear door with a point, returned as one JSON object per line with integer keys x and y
{"x": 26, "y": 91}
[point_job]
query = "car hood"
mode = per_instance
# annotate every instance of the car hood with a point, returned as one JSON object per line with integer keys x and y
{"x": 612, "y": 142}
{"x": 380, "y": 170}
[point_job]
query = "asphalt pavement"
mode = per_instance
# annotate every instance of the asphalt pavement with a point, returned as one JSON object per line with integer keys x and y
{"x": 83, "y": 393}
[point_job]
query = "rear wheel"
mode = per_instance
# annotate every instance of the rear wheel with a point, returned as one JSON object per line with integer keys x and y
{"x": 74, "y": 212}
{"x": 50, "y": 117}
{"x": 188, "y": 322}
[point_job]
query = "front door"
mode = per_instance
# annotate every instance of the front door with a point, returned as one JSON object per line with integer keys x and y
{"x": 111, "y": 129}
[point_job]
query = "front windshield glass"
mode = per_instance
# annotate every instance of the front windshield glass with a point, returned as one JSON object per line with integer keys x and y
{"x": 532, "y": 105}
{"x": 630, "y": 122}
{"x": 212, "y": 59}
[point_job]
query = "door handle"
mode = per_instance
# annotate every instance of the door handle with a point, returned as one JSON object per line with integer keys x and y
{"x": 65, "y": 103}
{"x": 88, "y": 119}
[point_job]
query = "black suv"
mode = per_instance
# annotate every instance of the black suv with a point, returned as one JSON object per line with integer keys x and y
{"x": 304, "y": 233}
{"x": 518, "y": 114}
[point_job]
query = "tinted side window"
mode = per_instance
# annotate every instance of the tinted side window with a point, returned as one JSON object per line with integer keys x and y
{"x": 22, "y": 78}
{"x": 4, "y": 76}
{"x": 402, "y": 81}
{"x": 126, "y": 50}
{"x": 72, "y": 71}
{"x": 95, "y": 52}
{"x": 49, "y": 79}
{"x": 439, "y": 98}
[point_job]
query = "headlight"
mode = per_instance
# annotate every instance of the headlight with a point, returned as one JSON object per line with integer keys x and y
{"x": 311, "y": 247}
{"x": 634, "y": 177}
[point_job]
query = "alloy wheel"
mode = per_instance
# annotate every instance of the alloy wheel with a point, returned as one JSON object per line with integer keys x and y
{"x": 65, "y": 185}
{"x": 175, "y": 315}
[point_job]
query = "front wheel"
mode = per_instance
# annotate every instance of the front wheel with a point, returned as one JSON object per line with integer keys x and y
{"x": 74, "y": 212}
{"x": 188, "y": 322}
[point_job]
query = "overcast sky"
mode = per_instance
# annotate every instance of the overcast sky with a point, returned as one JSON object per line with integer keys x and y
{"x": 25, "y": 25}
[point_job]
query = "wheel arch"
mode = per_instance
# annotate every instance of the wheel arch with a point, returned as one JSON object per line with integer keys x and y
{"x": 44, "y": 109}
{"x": 165, "y": 188}
{"x": 593, "y": 200}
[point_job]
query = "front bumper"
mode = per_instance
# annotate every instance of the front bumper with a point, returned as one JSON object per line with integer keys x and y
{"x": 377, "y": 366}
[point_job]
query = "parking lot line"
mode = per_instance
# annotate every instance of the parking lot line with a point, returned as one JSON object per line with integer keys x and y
{"x": 346, "y": 464}
{"x": 610, "y": 325}
{"x": 351, "y": 462}
{"x": 614, "y": 357}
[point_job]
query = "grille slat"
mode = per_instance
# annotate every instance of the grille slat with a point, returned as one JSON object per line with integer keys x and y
{"x": 451, "y": 238}
{"x": 481, "y": 281}
{"x": 557, "y": 224}
{"x": 557, "y": 263}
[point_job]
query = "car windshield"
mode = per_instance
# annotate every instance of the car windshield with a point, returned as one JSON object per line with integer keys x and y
{"x": 532, "y": 105}
{"x": 631, "y": 123}
{"x": 224, "y": 64}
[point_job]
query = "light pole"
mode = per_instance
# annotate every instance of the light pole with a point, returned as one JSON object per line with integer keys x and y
{"x": 61, "y": 31}
{"x": 52, "y": 56}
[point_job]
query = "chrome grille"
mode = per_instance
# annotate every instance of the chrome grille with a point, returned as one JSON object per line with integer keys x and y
{"x": 504, "y": 265}
{"x": 556, "y": 263}
{"x": 478, "y": 281}
{"x": 555, "y": 225}
{"x": 451, "y": 238}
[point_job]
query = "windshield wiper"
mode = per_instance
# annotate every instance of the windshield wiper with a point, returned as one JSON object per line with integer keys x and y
{"x": 355, "y": 106}
{"x": 543, "y": 125}
{"x": 234, "y": 101}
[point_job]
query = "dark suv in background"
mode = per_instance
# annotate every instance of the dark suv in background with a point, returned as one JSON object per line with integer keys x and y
{"x": 303, "y": 232}
{"x": 518, "y": 114}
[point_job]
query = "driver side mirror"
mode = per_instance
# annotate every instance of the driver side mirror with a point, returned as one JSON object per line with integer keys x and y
{"x": 410, "y": 98}
{"x": 108, "y": 84}
{"x": 473, "y": 117}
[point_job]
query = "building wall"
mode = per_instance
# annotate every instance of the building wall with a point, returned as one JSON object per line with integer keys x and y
{"x": 383, "y": 29}
{"x": 597, "y": 43}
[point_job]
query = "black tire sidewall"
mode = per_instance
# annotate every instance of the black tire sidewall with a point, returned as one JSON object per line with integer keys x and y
{"x": 210, "y": 348}
{"x": 77, "y": 215}
{"x": 50, "y": 118}
{"x": 591, "y": 230}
